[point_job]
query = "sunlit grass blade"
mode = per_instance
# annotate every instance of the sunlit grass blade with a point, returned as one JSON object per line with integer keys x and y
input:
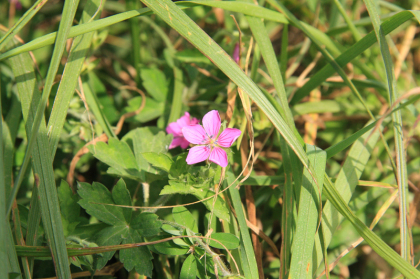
{"x": 308, "y": 215}
{"x": 345, "y": 184}
{"x": 367, "y": 41}
{"x": 377, "y": 244}
{"x": 44, "y": 173}
{"x": 398, "y": 133}
{"x": 249, "y": 262}
{"x": 68, "y": 84}
{"x": 264, "y": 43}
{"x": 23, "y": 20}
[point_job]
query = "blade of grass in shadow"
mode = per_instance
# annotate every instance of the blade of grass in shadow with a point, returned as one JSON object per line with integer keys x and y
{"x": 249, "y": 262}
{"x": 23, "y": 20}
{"x": 402, "y": 179}
{"x": 367, "y": 41}
{"x": 308, "y": 215}
{"x": 77, "y": 55}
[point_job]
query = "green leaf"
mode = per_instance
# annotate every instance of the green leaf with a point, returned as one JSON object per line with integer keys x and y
{"x": 230, "y": 241}
{"x": 139, "y": 258}
{"x": 121, "y": 195}
{"x": 109, "y": 236}
{"x": 70, "y": 209}
{"x": 147, "y": 140}
{"x": 169, "y": 248}
{"x": 189, "y": 268}
{"x": 179, "y": 167}
{"x": 183, "y": 217}
{"x": 146, "y": 224}
{"x": 118, "y": 155}
{"x": 158, "y": 160}
{"x": 154, "y": 81}
{"x": 152, "y": 109}
{"x": 220, "y": 207}
{"x": 92, "y": 196}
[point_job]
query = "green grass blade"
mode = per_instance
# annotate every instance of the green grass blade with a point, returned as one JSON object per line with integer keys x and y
{"x": 68, "y": 14}
{"x": 177, "y": 96}
{"x": 23, "y": 20}
{"x": 346, "y": 182}
{"x": 308, "y": 216}
{"x": 4, "y": 269}
{"x": 42, "y": 164}
{"x": 135, "y": 38}
{"x": 402, "y": 179}
{"x": 264, "y": 43}
{"x": 45, "y": 175}
{"x": 95, "y": 107}
{"x": 377, "y": 244}
{"x": 367, "y": 41}
{"x": 12, "y": 261}
{"x": 249, "y": 262}
{"x": 288, "y": 223}
{"x": 78, "y": 51}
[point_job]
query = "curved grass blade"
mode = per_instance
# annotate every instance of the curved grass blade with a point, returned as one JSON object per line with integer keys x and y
{"x": 377, "y": 244}
{"x": 402, "y": 179}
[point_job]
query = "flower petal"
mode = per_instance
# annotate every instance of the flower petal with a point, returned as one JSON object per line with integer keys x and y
{"x": 184, "y": 120}
{"x": 228, "y": 136}
{"x": 174, "y": 128}
{"x": 195, "y": 134}
{"x": 184, "y": 144}
{"x": 177, "y": 141}
{"x": 211, "y": 123}
{"x": 219, "y": 157}
{"x": 198, "y": 154}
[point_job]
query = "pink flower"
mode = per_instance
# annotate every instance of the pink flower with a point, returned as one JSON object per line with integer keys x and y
{"x": 208, "y": 140}
{"x": 175, "y": 128}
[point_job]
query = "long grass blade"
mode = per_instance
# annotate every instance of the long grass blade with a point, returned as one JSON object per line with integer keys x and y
{"x": 249, "y": 262}
{"x": 402, "y": 179}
